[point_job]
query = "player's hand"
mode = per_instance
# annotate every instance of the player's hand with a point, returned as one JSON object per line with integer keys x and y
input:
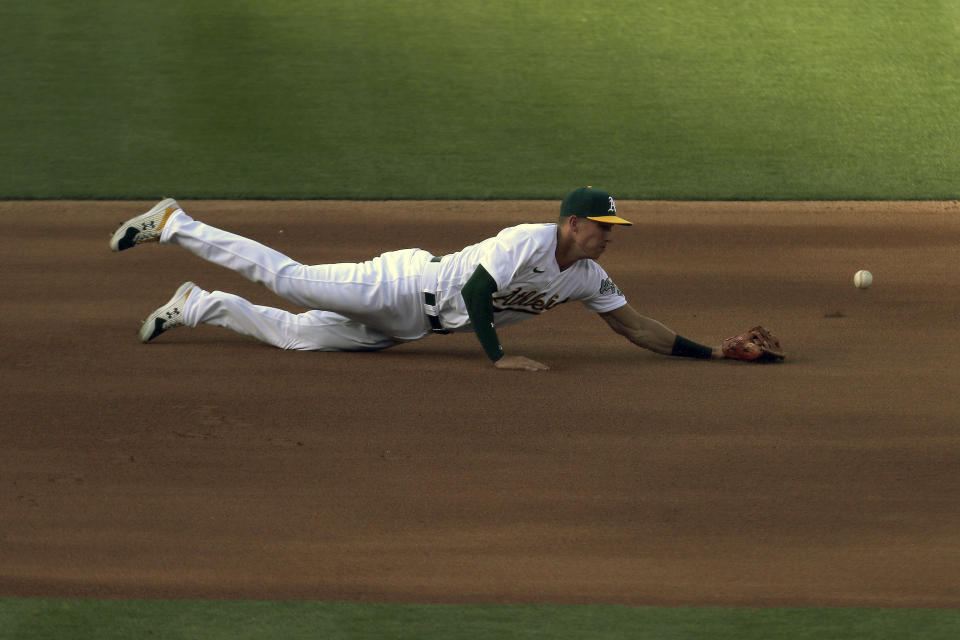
{"x": 519, "y": 363}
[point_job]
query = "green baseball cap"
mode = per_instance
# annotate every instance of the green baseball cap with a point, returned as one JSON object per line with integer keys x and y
{"x": 592, "y": 204}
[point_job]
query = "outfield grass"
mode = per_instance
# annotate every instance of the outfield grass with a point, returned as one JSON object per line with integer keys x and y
{"x": 689, "y": 99}
{"x": 122, "y": 620}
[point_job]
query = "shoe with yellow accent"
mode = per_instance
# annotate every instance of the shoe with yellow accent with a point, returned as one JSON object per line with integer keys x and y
{"x": 143, "y": 228}
{"x": 167, "y": 317}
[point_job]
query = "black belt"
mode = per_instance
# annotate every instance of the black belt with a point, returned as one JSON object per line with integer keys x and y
{"x": 435, "y": 326}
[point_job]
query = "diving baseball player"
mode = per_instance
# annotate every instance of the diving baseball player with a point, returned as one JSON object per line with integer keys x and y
{"x": 400, "y": 296}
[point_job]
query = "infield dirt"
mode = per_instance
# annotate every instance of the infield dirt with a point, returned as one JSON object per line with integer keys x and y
{"x": 205, "y": 465}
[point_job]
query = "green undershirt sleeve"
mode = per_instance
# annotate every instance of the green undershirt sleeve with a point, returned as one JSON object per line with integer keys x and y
{"x": 478, "y": 295}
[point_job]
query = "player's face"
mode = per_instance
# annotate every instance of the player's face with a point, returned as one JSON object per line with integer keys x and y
{"x": 593, "y": 237}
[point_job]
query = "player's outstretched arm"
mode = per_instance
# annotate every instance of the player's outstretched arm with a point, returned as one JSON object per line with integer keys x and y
{"x": 648, "y": 333}
{"x": 478, "y": 296}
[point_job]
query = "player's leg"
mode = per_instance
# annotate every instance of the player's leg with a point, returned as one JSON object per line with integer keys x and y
{"x": 310, "y": 331}
{"x": 168, "y": 223}
{"x": 191, "y": 306}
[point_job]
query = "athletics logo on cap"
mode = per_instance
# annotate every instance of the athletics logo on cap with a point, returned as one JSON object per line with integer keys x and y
{"x": 592, "y": 204}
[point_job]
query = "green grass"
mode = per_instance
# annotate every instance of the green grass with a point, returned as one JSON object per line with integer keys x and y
{"x": 106, "y": 620}
{"x": 688, "y": 99}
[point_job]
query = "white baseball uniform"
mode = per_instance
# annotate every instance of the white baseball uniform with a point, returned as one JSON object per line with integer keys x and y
{"x": 384, "y": 301}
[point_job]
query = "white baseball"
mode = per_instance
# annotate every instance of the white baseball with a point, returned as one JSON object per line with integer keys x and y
{"x": 862, "y": 279}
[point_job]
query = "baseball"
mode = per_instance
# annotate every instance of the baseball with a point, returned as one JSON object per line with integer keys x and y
{"x": 862, "y": 279}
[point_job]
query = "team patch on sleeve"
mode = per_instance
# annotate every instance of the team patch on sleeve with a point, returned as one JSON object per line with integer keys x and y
{"x": 608, "y": 287}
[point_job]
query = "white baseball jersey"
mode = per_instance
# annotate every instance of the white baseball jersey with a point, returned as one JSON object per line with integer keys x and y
{"x": 522, "y": 261}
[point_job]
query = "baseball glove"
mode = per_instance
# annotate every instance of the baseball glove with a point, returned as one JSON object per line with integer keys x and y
{"x": 755, "y": 344}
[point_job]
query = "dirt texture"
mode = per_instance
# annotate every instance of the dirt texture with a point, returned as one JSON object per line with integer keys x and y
{"x": 206, "y": 465}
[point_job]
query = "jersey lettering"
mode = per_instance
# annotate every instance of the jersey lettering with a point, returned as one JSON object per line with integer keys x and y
{"x": 526, "y": 301}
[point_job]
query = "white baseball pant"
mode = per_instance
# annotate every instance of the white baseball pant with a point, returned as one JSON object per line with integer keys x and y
{"x": 354, "y": 306}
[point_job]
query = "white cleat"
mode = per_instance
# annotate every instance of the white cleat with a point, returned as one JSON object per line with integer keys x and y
{"x": 167, "y": 317}
{"x": 143, "y": 228}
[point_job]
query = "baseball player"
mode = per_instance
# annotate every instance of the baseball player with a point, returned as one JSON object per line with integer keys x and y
{"x": 400, "y": 296}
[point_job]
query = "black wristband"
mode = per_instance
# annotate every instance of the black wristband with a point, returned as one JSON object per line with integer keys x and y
{"x": 689, "y": 349}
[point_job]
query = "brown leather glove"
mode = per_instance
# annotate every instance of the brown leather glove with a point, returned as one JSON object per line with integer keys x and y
{"x": 755, "y": 344}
